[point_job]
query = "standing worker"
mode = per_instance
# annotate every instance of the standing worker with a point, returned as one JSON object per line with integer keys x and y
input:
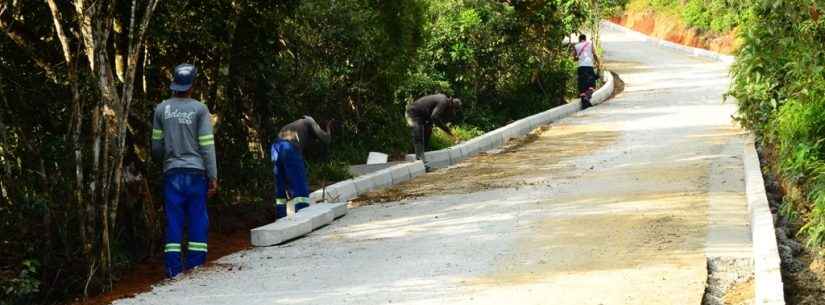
{"x": 586, "y": 56}
{"x": 182, "y": 138}
{"x": 435, "y": 109}
{"x": 290, "y": 171}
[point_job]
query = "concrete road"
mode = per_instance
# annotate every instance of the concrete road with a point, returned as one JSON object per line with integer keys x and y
{"x": 619, "y": 204}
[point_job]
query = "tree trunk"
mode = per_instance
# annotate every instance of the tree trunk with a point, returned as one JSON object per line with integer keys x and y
{"x": 136, "y": 36}
{"x": 6, "y": 182}
{"x": 110, "y": 118}
{"x": 75, "y": 125}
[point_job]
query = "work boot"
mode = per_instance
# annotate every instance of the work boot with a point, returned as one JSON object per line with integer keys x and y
{"x": 585, "y": 100}
{"x": 427, "y": 168}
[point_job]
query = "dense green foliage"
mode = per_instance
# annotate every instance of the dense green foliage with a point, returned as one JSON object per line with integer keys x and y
{"x": 779, "y": 80}
{"x": 67, "y": 223}
{"x": 717, "y": 16}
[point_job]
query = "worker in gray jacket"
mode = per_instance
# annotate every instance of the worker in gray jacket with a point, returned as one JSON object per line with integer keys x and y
{"x": 436, "y": 109}
{"x": 290, "y": 171}
{"x": 182, "y": 138}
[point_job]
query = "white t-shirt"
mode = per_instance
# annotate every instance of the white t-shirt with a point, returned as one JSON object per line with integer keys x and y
{"x": 585, "y": 52}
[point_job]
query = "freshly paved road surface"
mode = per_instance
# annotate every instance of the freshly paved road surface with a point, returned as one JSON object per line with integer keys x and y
{"x": 619, "y": 204}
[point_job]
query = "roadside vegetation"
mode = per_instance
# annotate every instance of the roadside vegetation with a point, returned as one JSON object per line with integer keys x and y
{"x": 79, "y": 201}
{"x": 779, "y": 80}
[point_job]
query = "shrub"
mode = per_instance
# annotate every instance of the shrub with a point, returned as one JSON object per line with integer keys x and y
{"x": 779, "y": 83}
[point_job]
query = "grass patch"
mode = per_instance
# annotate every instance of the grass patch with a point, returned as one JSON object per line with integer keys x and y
{"x": 441, "y": 140}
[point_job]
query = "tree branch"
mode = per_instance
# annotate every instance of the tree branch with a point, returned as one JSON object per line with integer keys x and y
{"x": 61, "y": 35}
{"x": 24, "y": 40}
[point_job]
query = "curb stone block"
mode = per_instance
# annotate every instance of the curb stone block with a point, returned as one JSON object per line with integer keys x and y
{"x": 542, "y": 118}
{"x": 572, "y": 107}
{"x": 300, "y": 224}
{"x": 363, "y": 184}
{"x": 409, "y": 158}
{"x": 339, "y": 209}
{"x": 319, "y": 215}
{"x": 400, "y": 173}
{"x": 342, "y": 191}
{"x": 486, "y": 141}
{"x": 471, "y": 148}
{"x": 456, "y": 155}
{"x": 559, "y": 112}
{"x": 495, "y": 140}
{"x": 316, "y": 195}
{"x": 525, "y": 127}
{"x": 534, "y": 121}
{"x": 438, "y": 158}
{"x": 768, "y": 286}
{"x": 549, "y": 116}
{"x": 281, "y": 231}
{"x": 510, "y": 131}
{"x": 380, "y": 179}
{"x": 417, "y": 169}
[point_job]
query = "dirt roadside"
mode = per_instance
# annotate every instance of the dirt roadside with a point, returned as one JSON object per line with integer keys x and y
{"x": 229, "y": 233}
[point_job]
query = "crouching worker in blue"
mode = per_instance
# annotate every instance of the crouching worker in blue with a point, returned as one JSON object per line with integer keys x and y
{"x": 288, "y": 157}
{"x": 182, "y": 138}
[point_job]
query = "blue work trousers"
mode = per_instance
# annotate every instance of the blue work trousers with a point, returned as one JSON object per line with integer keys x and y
{"x": 184, "y": 193}
{"x": 290, "y": 177}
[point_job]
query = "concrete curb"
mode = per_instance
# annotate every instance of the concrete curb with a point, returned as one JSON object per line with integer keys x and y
{"x": 661, "y": 43}
{"x": 768, "y": 286}
{"x": 300, "y": 224}
{"x": 306, "y": 221}
{"x": 496, "y": 138}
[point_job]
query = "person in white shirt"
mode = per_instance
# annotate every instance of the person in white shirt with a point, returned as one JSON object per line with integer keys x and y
{"x": 585, "y": 54}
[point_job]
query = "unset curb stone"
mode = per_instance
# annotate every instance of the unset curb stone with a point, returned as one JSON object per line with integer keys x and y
{"x": 300, "y": 224}
{"x": 768, "y": 286}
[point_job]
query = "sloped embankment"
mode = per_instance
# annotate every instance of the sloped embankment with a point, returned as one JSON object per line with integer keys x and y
{"x": 671, "y": 28}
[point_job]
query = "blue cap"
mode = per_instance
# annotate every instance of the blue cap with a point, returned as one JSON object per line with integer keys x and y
{"x": 184, "y": 76}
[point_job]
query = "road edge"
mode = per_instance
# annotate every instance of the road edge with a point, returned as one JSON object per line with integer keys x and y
{"x": 339, "y": 193}
{"x": 768, "y": 286}
{"x": 348, "y": 189}
{"x": 661, "y": 43}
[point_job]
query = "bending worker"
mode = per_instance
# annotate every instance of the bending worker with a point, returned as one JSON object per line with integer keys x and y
{"x": 435, "y": 109}
{"x": 182, "y": 138}
{"x": 290, "y": 171}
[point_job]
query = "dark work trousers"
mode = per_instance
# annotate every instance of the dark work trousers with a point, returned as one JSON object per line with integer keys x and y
{"x": 586, "y": 84}
{"x": 421, "y": 132}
